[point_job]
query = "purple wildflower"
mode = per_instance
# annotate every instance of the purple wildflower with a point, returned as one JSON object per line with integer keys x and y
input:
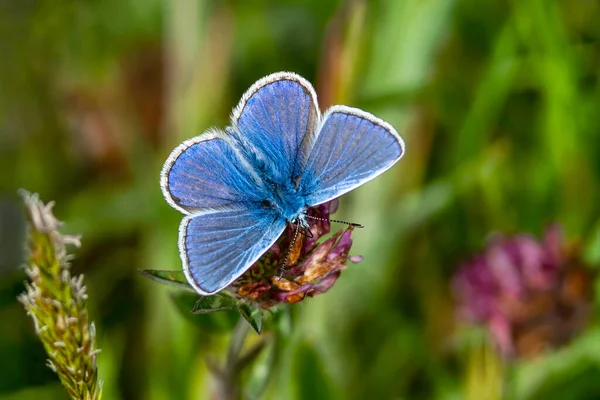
{"x": 530, "y": 294}
{"x": 312, "y": 268}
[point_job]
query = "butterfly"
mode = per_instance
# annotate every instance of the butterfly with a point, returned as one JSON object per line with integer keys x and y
{"x": 241, "y": 186}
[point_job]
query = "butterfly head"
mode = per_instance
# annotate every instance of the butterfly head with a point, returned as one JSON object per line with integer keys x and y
{"x": 302, "y": 221}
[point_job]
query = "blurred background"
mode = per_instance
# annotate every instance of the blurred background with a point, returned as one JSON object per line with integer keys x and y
{"x": 499, "y": 104}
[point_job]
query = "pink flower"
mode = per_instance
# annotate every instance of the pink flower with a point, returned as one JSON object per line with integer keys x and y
{"x": 520, "y": 288}
{"x": 312, "y": 267}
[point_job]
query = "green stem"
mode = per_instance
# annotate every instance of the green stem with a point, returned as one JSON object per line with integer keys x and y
{"x": 228, "y": 376}
{"x": 238, "y": 337}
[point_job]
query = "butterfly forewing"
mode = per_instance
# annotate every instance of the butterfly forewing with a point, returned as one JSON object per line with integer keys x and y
{"x": 275, "y": 122}
{"x": 351, "y": 148}
{"x": 205, "y": 173}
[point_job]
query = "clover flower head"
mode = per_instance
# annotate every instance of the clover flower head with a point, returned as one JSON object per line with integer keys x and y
{"x": 311, "y": 267}
{"x": 530, "y": 294}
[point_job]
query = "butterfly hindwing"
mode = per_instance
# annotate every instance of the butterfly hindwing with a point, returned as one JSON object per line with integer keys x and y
{"x": 351, "y": 148}
{"x": 216, "y": 248}
{"x": 275, "y": 122}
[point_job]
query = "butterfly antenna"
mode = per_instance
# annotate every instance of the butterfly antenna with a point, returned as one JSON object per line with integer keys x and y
{"x": 287, "y": 255}
{"x": 354, "y": 224}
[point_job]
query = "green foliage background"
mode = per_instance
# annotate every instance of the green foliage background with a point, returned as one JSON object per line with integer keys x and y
{"x": 498, "y": 102}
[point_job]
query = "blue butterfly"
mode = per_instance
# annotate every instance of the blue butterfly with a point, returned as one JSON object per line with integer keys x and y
{"x": 239, "y": 187}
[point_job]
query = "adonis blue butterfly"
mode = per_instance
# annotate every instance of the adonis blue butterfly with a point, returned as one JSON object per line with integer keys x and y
{"x": 240, "y": 187}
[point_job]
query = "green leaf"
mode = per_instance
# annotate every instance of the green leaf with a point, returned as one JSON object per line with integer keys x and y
{"x": 170, "y": 278}
{"x": 218, "y": 322}
{"x": 253, "y": 315}
{"x": 571, "y": 372}
{"x": 207, "y": 304}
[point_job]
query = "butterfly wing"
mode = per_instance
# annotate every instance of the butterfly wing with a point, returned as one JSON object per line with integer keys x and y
{"x": 226, "y": 229}
{"x": 351, "y": 148}
{"x": 207, "y": 173}
{"x": 216, "y": 248}
{"x": 276, "y": 122}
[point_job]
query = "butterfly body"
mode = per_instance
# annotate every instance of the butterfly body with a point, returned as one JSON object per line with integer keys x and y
{"x": 287, "y": 201}
{"x": 240, "y": 187}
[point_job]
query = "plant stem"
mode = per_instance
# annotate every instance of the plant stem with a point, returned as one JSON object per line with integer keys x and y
{"x": 228, "y": 376}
